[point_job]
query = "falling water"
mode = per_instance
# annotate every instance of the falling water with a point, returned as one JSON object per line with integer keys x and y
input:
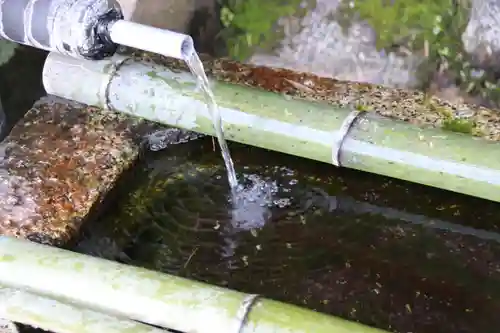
{"x": 241, "y": 197}
{"x": 196, "y": 67}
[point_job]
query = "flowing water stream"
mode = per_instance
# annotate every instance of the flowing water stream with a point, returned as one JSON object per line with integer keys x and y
{"x": 196, "y": 67}
{"x": 245, "y": 200}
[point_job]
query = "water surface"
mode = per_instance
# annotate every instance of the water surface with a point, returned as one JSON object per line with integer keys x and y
{"x": 390, "y": 254}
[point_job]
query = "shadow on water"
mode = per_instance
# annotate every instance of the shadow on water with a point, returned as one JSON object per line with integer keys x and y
{"x": 397, "y": 256}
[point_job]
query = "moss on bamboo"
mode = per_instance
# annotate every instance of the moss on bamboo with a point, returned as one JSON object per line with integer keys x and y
{"x": 181, "y": 213}
{"x": 407, "y": 105}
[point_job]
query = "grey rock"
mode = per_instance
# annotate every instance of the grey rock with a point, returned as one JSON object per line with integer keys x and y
{"x": 317, "y": 44}
{"x": 482, "y": 34}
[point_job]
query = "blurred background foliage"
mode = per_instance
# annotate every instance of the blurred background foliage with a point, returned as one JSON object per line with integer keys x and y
{"x": 250, "y": 25}
{"x": 432, "y": 29}
{"x": 411, "y": 23}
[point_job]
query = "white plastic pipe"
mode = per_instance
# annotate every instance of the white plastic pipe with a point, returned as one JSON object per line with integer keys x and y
{"x": 58, "y": 317}
{"x": 160, "y": 41}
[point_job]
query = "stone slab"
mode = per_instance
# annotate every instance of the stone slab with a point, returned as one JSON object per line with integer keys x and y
{"x": 57, "y": 163}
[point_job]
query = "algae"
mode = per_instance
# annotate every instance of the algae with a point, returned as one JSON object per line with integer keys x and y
{"x": 459, "y": 125}
{"x": 452, "y": 123}
{"x": 332, "y": 240}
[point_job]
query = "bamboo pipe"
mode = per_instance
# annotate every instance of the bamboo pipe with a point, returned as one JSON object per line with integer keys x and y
{"x": 50, "y": 315}
{"x": 152, "y": 297}
{"x": 313, "y": 130}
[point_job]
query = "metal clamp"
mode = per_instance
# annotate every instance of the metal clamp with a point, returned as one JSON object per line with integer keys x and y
{"x": 104, "y": 91}
{"x": 244, "y": 310}
{"x": 340, "y": 135}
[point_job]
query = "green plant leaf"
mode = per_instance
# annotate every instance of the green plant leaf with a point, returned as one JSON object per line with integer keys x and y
{"x": 251, "y": 23}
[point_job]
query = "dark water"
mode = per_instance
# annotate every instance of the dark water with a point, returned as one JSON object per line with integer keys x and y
{"x": 21, "y": 84}
{"x": 386, "y": 253}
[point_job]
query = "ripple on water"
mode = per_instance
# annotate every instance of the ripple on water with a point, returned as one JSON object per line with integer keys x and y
{"x": 397, "y": 256}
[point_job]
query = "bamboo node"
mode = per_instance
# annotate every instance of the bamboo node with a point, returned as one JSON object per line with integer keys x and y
{"x": 340, "y": 135}
{"x": 244, "y": 310}
{"x": 104, "y": 89}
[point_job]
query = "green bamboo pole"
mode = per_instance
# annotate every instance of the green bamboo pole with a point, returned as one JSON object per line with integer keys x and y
{"x": 152, "y": 297}
{"x": 55, "y": 316}
{"x": 317, "y": 131}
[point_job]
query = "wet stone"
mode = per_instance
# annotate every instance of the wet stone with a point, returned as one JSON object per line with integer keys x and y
{"x": 58, "y": 163}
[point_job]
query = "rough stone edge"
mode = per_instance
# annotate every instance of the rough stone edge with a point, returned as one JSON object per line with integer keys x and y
{"x": 124, "y": 139}
{"x": 61, "y": 160}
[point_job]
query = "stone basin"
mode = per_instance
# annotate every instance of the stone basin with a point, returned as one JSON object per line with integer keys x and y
{"x": 58, "y": 163}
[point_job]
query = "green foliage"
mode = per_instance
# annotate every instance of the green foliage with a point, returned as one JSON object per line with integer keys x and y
{"x": 408, "y": 22}
{"x": 459, "y": 125}
{"x": 452, "y": 123}
{"x": 432, "y": 29}
{"x": 7, "y": 50}
{"x": 249, "y": 24}
{"x": 429, "y": 27}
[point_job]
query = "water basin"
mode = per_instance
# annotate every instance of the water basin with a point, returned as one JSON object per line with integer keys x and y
{"x": 390, "y": 254}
